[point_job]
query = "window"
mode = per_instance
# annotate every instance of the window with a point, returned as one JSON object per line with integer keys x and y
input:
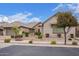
{"x": 71, "y": 35}
{"x": 47, "y": 35}
{"x": 57, "y": 30}
{"x": 59, "y": 35}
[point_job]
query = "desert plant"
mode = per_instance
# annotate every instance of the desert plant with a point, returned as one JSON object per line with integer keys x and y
{"x": 12, "y": 36}
{"x": 74, "y": 43}
{"x": 70, "y": 39}
{"x": 25, "y": 33}
{"x": 39, "y": 34}
{"x": 53, "y": 42}
{"x": 7, "y": 40}
{"x": 18, "y": 33}
{"x": 40, "y": 37}
{"x": 30, "y": 42}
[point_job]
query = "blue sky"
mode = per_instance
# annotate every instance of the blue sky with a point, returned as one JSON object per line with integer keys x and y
{"x": 25, "y": 12}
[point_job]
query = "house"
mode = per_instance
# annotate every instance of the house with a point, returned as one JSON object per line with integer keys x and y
{"x": 47, "y": 28}
{"x": 6, "y": 29}
{"x": 52, "y": 32}
{"x": 38, "y": 27}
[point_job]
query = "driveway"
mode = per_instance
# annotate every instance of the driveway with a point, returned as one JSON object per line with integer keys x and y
{"x": 18, "y": 50}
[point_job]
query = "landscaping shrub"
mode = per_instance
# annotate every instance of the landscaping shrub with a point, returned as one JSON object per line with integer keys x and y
{"x": 12, "y": 37}
{"x": 7, "y": 40}
{"x": 70, "y": 39}
{"x": 53, "y": 42}
{"x": 26, "y": 34}
{"x": 30, "y": 42}
{"x": 18, "y": 38}
{"x": 74, "y": 43}
{"x": 40, "y": 37}
{"x": 37, "y": 33}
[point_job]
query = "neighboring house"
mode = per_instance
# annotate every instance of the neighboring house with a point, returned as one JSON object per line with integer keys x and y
{"x": 6, "y": 29}
{"x": 38, "y": 27}
{"x": 51, "y": 31}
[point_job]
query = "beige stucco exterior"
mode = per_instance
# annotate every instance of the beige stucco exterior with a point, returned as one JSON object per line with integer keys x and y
{"x": 9, "y": 31}
{"x": 47, "y": 29}
{"x": 44, "y": 28}
{"x": 38, "y": 27}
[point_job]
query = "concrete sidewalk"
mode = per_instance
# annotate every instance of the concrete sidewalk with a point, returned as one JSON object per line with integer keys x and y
{"x": 44, "y": 44}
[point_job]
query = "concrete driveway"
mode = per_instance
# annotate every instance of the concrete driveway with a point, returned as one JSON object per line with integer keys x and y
{"x": 18, "y": 50}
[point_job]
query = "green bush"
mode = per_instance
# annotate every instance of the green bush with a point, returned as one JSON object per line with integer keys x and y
{"x": 37, "y": 33}
{"x": 26, "y": 34}
{"x": 12, "y": 36}
{"x": 53, "y": 42}
{"x": 40, "y": 37}
{"x": 18, "y": 36}
{"x": 30, "y": 42}
{"x": 74, "y": 43}
{"x": 70, "y": 39}
{"x": 7, "y": 40}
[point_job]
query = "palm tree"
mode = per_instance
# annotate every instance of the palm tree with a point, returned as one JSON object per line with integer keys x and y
{"x": 66, "y": 19}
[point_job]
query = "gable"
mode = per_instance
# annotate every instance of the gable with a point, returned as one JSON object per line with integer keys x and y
{"x": 51, "y": 20}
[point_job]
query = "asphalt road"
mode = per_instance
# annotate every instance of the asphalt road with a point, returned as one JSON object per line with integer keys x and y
{"x": 17, "y": 50}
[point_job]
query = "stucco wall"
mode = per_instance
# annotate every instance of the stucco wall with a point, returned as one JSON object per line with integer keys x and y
{"x": 39, "y": 26}
{"x": 48, "y": 29}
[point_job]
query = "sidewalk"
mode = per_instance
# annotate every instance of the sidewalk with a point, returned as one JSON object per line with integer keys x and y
{"x": 37, "y": 43}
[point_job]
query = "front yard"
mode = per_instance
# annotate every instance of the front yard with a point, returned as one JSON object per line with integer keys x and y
{"x": 38, "y": 42}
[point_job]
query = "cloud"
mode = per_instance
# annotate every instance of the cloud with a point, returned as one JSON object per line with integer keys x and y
{"x": 22, "y": 17}
{"x": 58, "y": 7}
{"x": 3, "y": 18}
{"x": 35, "y": 19}
{"x": 74, "y": 7}
{"x": 77, "y": 9}
{"x": 19, "y": 17}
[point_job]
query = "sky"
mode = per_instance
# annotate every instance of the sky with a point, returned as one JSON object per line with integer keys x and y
{"x": 33, "y": 12}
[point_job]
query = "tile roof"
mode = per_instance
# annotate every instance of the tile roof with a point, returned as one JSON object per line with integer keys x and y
{"x": 17, "y": 23}
{"x": 32, "y": 24}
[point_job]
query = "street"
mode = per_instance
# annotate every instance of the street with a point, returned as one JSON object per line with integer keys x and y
{"x": 18, "y": 50}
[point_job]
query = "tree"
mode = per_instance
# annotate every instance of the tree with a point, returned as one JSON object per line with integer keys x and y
{"x": 66, "y": 19}
{"x": 17, "y": 31}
